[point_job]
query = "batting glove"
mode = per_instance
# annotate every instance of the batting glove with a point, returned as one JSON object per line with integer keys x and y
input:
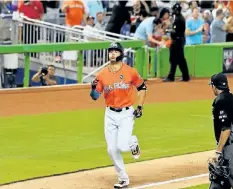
{"x": 94, "y": 84}
{"x": 138, "y": 112}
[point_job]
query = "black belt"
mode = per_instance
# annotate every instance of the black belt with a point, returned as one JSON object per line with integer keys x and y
{"x": 118, "y": 109}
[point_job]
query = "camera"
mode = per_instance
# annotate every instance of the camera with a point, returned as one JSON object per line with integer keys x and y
{"x": 44, "y": 71}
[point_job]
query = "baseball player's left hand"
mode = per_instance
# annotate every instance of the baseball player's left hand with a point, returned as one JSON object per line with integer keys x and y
{"x": 138, "y": 112}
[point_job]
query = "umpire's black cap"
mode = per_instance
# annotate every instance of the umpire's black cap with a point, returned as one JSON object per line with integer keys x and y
{"x": 219, "y": 81}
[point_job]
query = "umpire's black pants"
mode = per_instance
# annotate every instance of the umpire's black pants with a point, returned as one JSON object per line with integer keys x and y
{"x": 227, "y": 184}
{"x": 177, "y": 58}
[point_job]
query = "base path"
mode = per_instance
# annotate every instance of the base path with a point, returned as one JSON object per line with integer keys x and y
{"x": 58, "y": 99}
{"x": 141, "y": 174}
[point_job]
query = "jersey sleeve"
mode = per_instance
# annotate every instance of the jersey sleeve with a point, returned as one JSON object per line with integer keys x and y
{"x": 137, "y": 80}
{"x": 224, "y": 115}
{"x": 99, "y": 86}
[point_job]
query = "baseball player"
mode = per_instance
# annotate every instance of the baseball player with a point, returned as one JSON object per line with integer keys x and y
{"x": 117, "y": 82}
{"x": 223, "y": 120}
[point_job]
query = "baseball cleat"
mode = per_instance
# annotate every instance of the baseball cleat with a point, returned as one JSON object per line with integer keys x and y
{"x": 135, "y": 149}
{"x": 121, "y": 184}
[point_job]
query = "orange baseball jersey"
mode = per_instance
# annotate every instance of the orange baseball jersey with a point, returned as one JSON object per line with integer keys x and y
{"x": 118, "y": 87}
{"x": 75, "y": 12}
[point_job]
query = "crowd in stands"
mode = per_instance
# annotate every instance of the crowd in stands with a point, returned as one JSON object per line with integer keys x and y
{"x": 148, "y": 20}
{"x": 209, "y": 22}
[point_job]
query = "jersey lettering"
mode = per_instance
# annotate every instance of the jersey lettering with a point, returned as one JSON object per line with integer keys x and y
{"x": 121, "y": 85}
{"x": 118, "y": 87}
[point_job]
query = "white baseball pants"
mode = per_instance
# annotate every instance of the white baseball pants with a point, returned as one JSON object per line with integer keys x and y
{"x": 118, "y": 133}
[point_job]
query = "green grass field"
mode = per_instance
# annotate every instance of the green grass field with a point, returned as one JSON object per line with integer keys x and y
{"x": 47, "y": 144}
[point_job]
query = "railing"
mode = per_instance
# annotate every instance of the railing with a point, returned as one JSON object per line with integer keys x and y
{"x": 80, "y": 47}
{"x": 30, "y": 31}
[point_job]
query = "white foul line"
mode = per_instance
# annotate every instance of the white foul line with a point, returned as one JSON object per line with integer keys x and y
{"x": 170, "y": 181}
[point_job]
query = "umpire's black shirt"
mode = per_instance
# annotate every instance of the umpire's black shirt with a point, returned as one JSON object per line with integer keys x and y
{"x": 223, "y": 114}
{"x": 178, "y": 28}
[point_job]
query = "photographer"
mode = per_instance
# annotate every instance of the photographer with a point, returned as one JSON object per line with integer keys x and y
{"x": 46, "y": 76}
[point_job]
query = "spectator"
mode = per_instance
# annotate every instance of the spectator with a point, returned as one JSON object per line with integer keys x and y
{"x": 138, "y": 19}
{"x": 207, "y": 16}
{"x": 164, "y": 14}
{"x": 94, "y": 7}
{"x": 158, "y": 32}
{"x": 154, "y": 11}
{"x": 147, "y": 5}
{"x": 32, "y": 9}
{"x": 142, "y": 16}
{"x": 75, "y": 12}
{"x": 7, "y": 7}
{"x": 230, "y": 4}
{"x": 218, "y": 28}
{"x": 100, "y": 24}
{"x": 46, "y": 76}
{"x": 165, "y": 17}
{"x": 145, "y": 30}
{"x": 218, "y": 5}
{"x": 120, "y": 15}
{"x": 229, "y": 36}
{"x": 192, "y": 4}
{"x": 88, "y": 30}
{"x": 51, "y": 9}
{"x": 137, "y": 7}
{"x": 185, "y": 6}
{"x": 194, "y": 29}
{"x": 207, "y": 22}
{"x": 215, "y": 8}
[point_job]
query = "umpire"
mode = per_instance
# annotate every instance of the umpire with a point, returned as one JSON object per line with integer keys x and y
{"x": 220, "y": 168}
{"x": 177, "y": 46}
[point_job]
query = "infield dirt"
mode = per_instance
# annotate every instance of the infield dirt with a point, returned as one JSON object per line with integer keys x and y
{"x": 58, "y": 99}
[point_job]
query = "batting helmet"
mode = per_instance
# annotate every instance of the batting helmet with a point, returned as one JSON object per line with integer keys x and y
{"x": 118, "y": 47}
{"x": 219, "y": 81}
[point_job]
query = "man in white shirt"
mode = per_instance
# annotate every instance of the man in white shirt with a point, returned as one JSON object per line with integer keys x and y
{"x": 100, "y": 24}
{"x": 88, "y": 30}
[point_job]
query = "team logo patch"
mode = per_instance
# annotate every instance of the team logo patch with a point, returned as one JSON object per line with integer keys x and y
{"x": 113, "y": 45}
{"x": 222, "y": 116}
